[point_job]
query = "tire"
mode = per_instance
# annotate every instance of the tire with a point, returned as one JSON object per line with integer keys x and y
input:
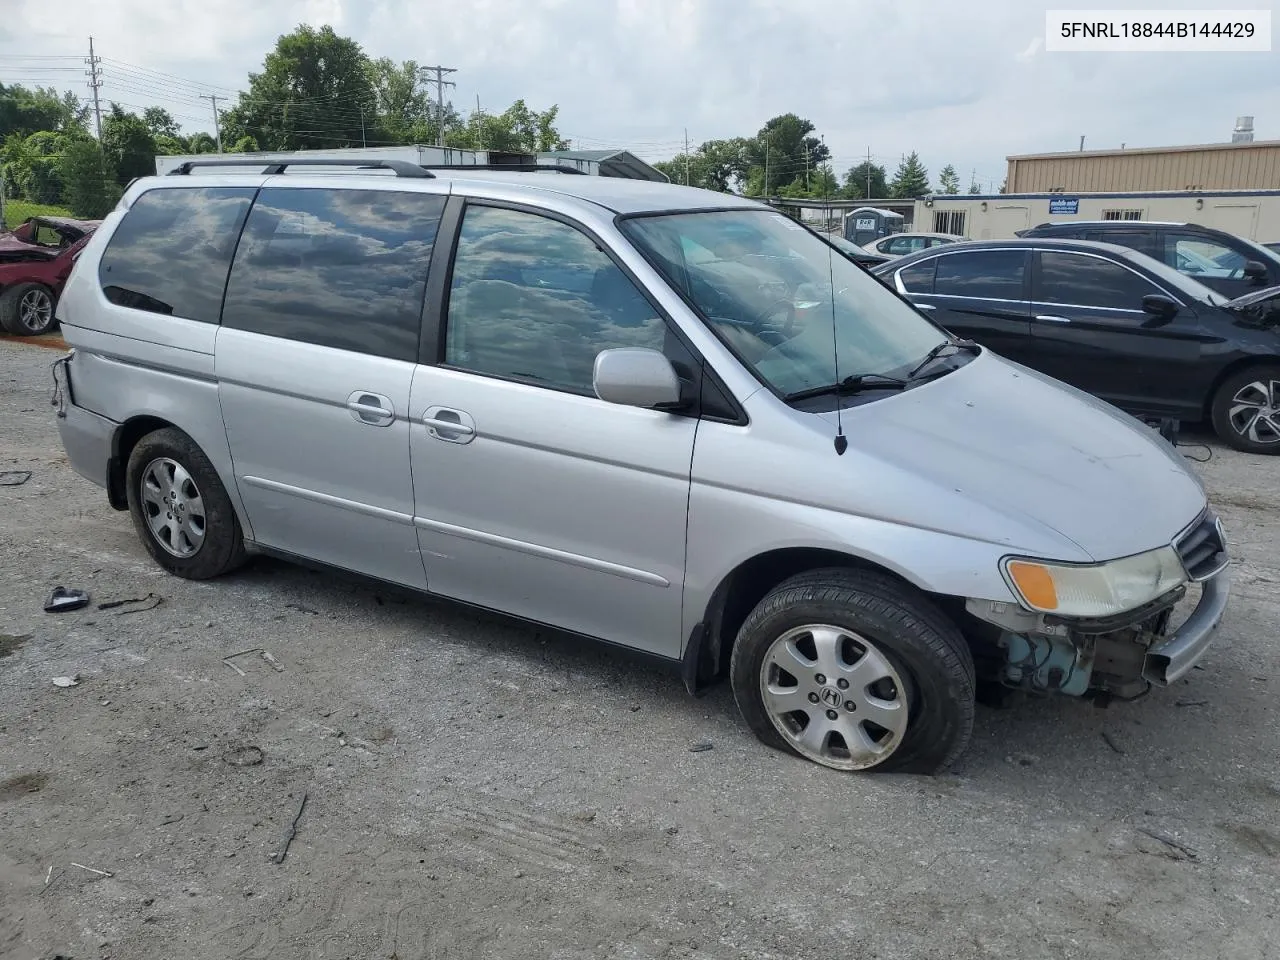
{"x": 27, "y": 310}
{"x": 1246, "y": 409}
{"x": 169, "y": 462}
{"x": 884, "y": 629}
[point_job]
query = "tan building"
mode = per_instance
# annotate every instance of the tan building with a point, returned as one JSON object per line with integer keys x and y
{"x": 1253, "y": 165}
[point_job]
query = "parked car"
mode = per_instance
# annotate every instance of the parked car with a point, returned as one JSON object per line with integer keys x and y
{"x": 35, "y": 260}
{"x": 859, "y": 255}
{"x": 1274, "y": 246}
{"x": 1112, "y": 322}
{"x": 901, "y": 244}
{"x": 1231, "y": 265}
{"x": 658, "y": 416}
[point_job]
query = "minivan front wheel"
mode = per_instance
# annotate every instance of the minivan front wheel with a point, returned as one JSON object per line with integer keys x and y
{"x": 1246, "y": 410}
{"x": 855, "y": 671}
{"x": 180, "y": 508}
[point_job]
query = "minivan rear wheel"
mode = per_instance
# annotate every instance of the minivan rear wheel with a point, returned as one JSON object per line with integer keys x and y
{"x": 180, "y": 508}
{"x": 1246, "y": 409}
{"x": 855, "y": 670}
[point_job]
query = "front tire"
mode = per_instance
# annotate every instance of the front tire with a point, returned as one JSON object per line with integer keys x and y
{"x": 180, "y": 508}
{"x": 1246, "y": 410}
{"x": 855, "y": 671}
{"x": 27, "y": 310}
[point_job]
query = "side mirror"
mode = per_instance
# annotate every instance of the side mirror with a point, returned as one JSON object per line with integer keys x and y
{"x": 636, "y": 377}
{"x": 1255, "y": 270}
{"x": 1159, "y": 308}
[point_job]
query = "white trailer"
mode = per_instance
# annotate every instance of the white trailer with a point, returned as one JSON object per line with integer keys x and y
{"x": 1254, "y": 214}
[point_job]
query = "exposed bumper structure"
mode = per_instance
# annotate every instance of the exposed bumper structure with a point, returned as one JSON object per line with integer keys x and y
{"x": 86, "y": 436}
{"x": 1173, "y": 657}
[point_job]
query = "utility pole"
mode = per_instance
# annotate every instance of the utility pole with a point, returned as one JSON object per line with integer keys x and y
{"x": 479, "y": 125}
{"x": 213, "y": 98}
{"x": 1082, "y": 143}
{"x": 766, "y": 164}
{"x": 363, "y": 141}
{"x": 440, "y": 83}
{"x": 95, "y": 81}
{"x": 868, "y": 169}
{"x": 686, "y": 156}
{"x": 806, "y": 167}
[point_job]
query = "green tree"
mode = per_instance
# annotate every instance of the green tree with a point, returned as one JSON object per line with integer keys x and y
{"x": 911, "y": 178}
{"x": 856, "y": 179}
{"x": 90, "y": 183}
{"x": 129, "y": 145}
{"x": 245, "y": 145}
{"x": 313, "y": 92}
{"x": 719, "y": 165}
{"x": 948, "y": 180}
{"x": 172, "y": 146}
{"x": 784, "y": 150}
{"x": 402, "y": 104}
{"x": 823, "y": 183}
{"x": 161, "y": 123}
{"x": 31, "y": 165}
{"x": 518, "y": 129}
{"x": 202, "y": 143}
{"x": 24, "y": 111}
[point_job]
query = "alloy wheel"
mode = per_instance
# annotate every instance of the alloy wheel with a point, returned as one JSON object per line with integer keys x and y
{"x": 1255, "y": 411}
{"x": 35, "y": 310}
{"x": 834, "y": 696}
{"x": 172, "y": 507}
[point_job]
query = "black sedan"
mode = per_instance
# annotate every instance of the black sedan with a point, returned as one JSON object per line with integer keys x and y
{"x": 1112, "y": 322}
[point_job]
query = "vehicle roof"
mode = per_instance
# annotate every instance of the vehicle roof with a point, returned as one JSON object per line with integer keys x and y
{"x": 1043, "y": 243}
{"x": 923, "y": 233}
{"x": 1117, "y": 223}
{"x": 85, "y": 225}
{"x": 618, "y": 194}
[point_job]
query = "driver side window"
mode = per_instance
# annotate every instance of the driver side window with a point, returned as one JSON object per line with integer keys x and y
{"x": 1201, "y": 257}
{"x": 534, "y": 299}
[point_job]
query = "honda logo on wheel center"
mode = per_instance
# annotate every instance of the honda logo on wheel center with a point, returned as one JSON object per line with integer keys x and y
{"x": 830, "y": 696}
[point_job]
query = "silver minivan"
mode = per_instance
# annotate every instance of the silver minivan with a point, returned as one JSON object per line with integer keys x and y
{"x": 670, "y": 419}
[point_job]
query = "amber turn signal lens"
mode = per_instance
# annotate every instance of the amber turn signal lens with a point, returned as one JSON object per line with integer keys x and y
{"x": 1035, "y": 583}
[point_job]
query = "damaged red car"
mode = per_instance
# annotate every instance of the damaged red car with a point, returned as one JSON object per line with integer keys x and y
{"x": 35, "y": 260}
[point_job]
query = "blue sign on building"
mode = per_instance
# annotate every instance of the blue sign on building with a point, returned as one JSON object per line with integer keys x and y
{"x": 1064, "y": 205}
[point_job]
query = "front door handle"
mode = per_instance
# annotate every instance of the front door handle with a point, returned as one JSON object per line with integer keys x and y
{"x": 451, "y": 426}
{"x": 1052, "y": 318}
{"x": 925, "y": 306}
{"x": 371, "y": 408}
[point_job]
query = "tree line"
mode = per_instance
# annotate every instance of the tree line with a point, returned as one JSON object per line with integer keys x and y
{"x": 316, "y": 90}
{"x": 787, "y": 159}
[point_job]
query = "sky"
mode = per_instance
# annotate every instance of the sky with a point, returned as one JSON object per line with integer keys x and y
{"x": 966, "y": 83}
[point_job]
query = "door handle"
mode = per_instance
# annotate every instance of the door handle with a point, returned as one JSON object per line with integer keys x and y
{"x": 1052, "y": 318}
{"x": 451, "y": 426}
{"x": 925, "y": 306}
{"x": 371, "y": 408}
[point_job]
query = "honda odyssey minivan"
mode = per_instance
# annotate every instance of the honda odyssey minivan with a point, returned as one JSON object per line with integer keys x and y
{"x": 670, "y": 419}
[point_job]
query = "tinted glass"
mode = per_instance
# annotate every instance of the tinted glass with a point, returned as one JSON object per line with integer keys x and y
{"x": 1201, "y": 257}
{"x": 918, "y": 278}
{"x": 990, "y": 274}
{"x": 1073, "y": 278}
{"x": 171, "y": 251}
{"x": 900, "y": 246}
{"x": 534, "y": 299}
{"x": 773, "y": 292}
{"x": 337, "y": 268}
{"x": 1142, "y": 242}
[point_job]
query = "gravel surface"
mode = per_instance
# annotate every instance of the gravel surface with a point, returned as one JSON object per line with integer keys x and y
{"x": 476, "y": 788}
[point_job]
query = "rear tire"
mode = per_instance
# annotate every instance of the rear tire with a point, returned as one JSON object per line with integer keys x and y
{"x": 1246, "y": 410}
{"x": 27, "y": 310}
{"x": 803, "y": 657}
{"x": 180, "y": 508}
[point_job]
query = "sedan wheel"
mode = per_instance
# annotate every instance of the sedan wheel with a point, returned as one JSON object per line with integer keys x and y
{"x": 35, "y": 310}
{"x": 834, "y": 697}
{"x": 1246, "y": 409}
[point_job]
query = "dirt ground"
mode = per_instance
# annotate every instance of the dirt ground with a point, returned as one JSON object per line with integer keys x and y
{"x": 478, "y": 789}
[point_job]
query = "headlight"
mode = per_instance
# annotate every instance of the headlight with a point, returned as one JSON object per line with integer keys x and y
{"x": 1094, "y": 590}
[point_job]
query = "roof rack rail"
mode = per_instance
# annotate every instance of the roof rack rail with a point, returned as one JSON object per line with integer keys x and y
{"x": 516, "y": 167}
{"x": 402, "y": 168}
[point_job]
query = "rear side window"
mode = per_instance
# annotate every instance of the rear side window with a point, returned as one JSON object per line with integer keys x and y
{"x": 918, "y": 278}
{"x": 337, "y": 268}
{"x": 1076, "y": 279}
{"x": 171, "y": 252}
{"x": 986, "y": 274}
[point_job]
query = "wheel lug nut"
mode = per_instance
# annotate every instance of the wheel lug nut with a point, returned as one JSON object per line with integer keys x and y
{"x": 820, "y": 678}
{"x": 832, "y": 715}
{"x": 842, "y": 683}
{"x": 813, "y": 698}
{"x": 850, "y": 706}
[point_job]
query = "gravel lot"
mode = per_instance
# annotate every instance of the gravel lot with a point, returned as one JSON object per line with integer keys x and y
{"x": 475, "y": 788}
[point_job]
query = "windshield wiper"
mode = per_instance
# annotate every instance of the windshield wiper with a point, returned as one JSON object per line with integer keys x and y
{"x": 938, "y": 350}
{"x": 855, "y": 383}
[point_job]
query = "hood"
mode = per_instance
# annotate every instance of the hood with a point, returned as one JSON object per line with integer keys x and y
{"x": 996, "y": 444}
{"x": 1257, "y": 296}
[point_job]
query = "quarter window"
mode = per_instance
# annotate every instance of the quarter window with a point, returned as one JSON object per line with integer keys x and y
{"x": 170, "y": 253}
{"x": 535, "y": 299}
{"x": 337, "y": 268}
{"x": 918, "y": 278}
{"x": 986, "y": 274}
{"x": 1071, "y": 278}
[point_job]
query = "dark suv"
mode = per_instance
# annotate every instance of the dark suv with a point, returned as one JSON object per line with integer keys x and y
{"x": 1112, "y": 322}
{"x": 1229, "y": 264}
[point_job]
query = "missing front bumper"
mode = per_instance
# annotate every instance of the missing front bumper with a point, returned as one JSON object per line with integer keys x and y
{"x": 1173, "y": 657}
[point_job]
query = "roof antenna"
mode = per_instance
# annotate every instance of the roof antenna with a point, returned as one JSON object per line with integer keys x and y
{"x": 842, "y": 442}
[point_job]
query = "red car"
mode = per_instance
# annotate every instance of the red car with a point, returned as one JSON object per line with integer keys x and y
{"x": 35, "y": 260}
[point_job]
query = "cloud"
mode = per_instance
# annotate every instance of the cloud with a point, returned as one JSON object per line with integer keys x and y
{"x": 937, "y": 78}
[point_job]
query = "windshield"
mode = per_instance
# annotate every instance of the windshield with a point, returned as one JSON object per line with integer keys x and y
{"x": 1182, "y": 283}
{"x": 766, "y": 285}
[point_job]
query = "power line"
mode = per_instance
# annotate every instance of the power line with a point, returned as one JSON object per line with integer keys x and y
{"x": 441, "y": 83}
